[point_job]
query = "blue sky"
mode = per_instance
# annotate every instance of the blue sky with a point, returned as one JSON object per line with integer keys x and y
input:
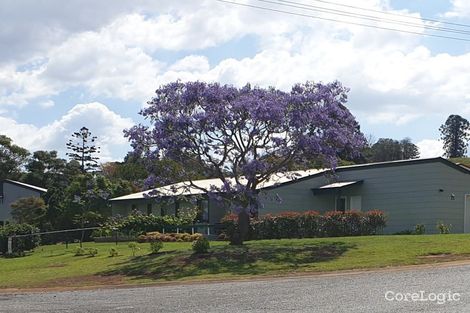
{"x": 62, "y": 67}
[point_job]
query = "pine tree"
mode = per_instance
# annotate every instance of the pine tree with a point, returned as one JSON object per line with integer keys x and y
{"x": 83, "y": 149}
{"x": 455, "y": 134}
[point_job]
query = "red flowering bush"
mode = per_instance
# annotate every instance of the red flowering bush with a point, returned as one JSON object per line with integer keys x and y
{"x": 310, "y": 224}
{"x": 375, "y": 221}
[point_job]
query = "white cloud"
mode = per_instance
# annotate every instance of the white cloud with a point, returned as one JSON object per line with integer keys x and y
{"x": 460, "y": 8}
{"x": 394, "y": 78}
{"x": 47, "y": 104}
{"x": 102, "y": 122}
{"x": 430, "y": 148}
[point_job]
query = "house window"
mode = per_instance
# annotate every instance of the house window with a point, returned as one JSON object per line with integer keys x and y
{"x": 149, "y": 208}
{"x": 341, "y": 204}
{"x": 203, "y": 211}
{"x": 355, "y": 203}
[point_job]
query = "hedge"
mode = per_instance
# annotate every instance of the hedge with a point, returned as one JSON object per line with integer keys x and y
{"x": 137, "y": 223}
{"x": 310, "y": 224}
{"x": 20, "y": 244}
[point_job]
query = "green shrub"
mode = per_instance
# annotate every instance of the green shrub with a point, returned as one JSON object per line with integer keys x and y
{"x": 156, "y": 246}
{"x": 113, "y": 252}
{"x": 134, "y": 247}
{"x": 20, "y": 244}
{"x": 92, "y": 251}
{"x": 420, "y": 229}
{"x": 201, "y": 245}
{"x": 443, "y": 228}
{"x": 137, "y": 223}
{"x": 80, "y": 251}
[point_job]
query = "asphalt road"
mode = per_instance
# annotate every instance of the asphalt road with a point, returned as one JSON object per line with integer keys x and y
{"x": 364, "y": 292}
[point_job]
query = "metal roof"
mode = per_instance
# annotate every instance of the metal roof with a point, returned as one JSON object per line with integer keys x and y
{"x": 198, "y": 187}
{"x": 28, "y": 186}
{"x": 184, "y": 188}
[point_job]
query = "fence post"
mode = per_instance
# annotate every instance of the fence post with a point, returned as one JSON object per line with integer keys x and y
{"x": 208, "y": 230}
{"x": 177, "y": 230}
{"x": 163, "y": 230}
{"x": 10, "y": 245}
{"x": 192, "y": 230}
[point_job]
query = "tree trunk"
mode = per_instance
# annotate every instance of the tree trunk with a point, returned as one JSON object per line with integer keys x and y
{"x": 242, "y": 230}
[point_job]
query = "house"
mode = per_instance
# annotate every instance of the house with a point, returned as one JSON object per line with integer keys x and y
{"x": 410, "y": 192}
{"x": 10, "y": 191}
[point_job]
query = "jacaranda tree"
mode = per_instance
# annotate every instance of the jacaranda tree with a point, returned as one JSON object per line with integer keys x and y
{"x": 244, "y": 135}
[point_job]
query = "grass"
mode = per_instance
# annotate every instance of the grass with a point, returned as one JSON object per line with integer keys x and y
{"x": 52, "y": 266}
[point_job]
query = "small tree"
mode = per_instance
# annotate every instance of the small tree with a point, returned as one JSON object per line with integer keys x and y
{"x": 28, "y": 210}
{"x": 243, "y": 136}
{"x": 409, "y": 149}
{"x": 455, "y": 134}
{"x": 83, "y": 149}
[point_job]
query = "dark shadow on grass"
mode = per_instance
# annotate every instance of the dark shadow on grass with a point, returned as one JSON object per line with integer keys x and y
{"x": 245, "y": 260}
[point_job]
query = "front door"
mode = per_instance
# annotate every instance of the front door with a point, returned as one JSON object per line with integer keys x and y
{"x": 466, "y": 223}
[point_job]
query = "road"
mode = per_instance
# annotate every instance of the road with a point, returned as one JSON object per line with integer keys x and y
{"x": 360, "y": 292}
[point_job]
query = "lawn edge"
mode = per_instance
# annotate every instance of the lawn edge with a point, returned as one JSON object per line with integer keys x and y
{"x": 267, "y": 277}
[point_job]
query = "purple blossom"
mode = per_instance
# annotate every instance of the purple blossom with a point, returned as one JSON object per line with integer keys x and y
{"x": 244, "y": 135}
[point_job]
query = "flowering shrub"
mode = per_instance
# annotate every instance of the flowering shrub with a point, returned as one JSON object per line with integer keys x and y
{"x": 169, "y": 237}
{"x": 310, "y": 224}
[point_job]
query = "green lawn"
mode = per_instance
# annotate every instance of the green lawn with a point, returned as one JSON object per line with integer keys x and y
{"x": 55, "y": 266}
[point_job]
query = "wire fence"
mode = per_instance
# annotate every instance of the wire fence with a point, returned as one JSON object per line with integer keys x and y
{"x": 80, "y": 235}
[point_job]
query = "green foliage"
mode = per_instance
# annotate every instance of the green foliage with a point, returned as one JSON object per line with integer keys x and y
{"x": 79, "y": 251}
{"x": 92, "y": 251}
{"x": 134, "y": 247}
{"x": 20, "y": 244}
{"x": 455, "y": 134}
{"x": 201, "y": 245}
{"x": 12, "y": 158}
{"x": 44, "y": 169}
{"x": 82, "y": 148}
{"x": 113, "y": 252}
{"x": 310, "y": 224}
{"x": 443, "y": 228}
{"x": 420, "y": 229}
{"x": 28, "y": 210}
{"x": 387, "y": 149}
{"x": 138, "y": 223}
{"x": 155, "y": 246}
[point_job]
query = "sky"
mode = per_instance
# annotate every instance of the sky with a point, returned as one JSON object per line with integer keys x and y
{"x": 68, "y": 64}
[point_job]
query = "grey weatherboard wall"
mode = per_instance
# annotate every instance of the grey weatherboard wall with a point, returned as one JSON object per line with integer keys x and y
{"x": 409, "y": 192}
{"x": 11, "y": 193}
